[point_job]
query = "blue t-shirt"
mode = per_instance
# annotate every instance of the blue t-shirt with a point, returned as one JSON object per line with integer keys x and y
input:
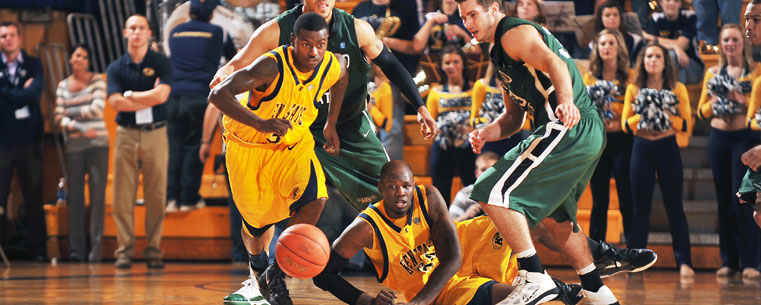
{"x": 684, "y": 25}
{"x": 123, "y": 75}
{"x": 196, "y": 47}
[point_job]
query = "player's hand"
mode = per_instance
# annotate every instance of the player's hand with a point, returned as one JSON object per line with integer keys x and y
{"x": 472, "y": 211}
{"x": 477, "y": 140}
{"x": 274, "y": 125}
{"x": 332, "y": 142}
{"x": 427, "y": 124}
{"x": 752, "y": 158}
{"x": 28, "y": 82}
{"x": 221, "y": 75}
{"x": 568, "y": 113}
{"x": 384, "y": 297}
{"x": 204, "y": 151}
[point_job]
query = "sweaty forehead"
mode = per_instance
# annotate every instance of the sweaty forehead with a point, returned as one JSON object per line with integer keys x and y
{"x": 312, "y": 35}
{"x": 753, "y": 10}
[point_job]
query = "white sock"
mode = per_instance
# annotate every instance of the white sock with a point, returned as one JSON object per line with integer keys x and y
{"x": 531, "y": 251}
{"x": 586, "y": 269}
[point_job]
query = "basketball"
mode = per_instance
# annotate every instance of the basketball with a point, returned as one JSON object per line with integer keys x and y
{"x": 302, "y": 251}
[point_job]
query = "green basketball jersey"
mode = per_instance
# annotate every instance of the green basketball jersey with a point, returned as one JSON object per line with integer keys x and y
{"x": 342, "y": 42}
{"x": 530, "y": 88}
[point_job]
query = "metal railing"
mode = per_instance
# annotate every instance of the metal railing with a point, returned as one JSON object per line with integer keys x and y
{"x": 113, "y": 15}
{"x": 84, "y": 28}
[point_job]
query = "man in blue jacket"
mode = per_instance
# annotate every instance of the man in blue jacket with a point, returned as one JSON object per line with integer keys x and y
{"x": 21, "y": 135}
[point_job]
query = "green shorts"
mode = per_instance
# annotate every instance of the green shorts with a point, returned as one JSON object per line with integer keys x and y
{"x": 355, "y": 172}
{"x": 750, "y": 187}
{"x": 547, "y": 172}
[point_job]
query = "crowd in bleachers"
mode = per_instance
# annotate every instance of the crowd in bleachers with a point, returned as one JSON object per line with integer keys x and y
{"x": 637, "y": 72}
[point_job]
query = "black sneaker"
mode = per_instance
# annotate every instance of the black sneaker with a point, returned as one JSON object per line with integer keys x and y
{"x": 272, "y": 286}
{"x": 569, "y": 294}
{"x": 610, "y": 260}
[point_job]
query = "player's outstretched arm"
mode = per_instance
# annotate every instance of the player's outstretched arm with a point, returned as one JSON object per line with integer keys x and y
{"x": 447, "y": 245}
{"x": 537, "y": 54}
{"x": 265, "y": 38}
{"x": 332, "y": 142}
{"x": 260, "y": 74}
{"x": 357, "y": 235}
{"x": 399, "y": 77}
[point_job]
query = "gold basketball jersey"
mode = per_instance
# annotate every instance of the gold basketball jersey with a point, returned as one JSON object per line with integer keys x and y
{"x": 293, "y": 95}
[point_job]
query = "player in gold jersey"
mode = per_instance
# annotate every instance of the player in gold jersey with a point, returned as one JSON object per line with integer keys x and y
{"x": 274, "y": 172}
{"x": 415, "y": 248}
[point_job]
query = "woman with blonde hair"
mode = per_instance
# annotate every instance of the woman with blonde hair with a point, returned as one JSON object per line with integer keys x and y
{"x": 727, "y": 92}
{"x": 609, "y": 63}
{"x": 656, "y": 109}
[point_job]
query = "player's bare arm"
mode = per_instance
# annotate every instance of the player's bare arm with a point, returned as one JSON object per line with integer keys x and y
{"x": 332, "y": 142}
{"x": 258, "y": 75}
{"x": 447, "y": 245}
{"x": 507, "y": 124}
{"x": 357, "y": 235}
{"x": 265, "y": 38}
{"x": 537, "y": 54}
{"x": 399, "y": 77}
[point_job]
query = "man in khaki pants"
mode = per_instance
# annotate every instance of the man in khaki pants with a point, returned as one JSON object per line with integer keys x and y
{"x": 138, "y": 85}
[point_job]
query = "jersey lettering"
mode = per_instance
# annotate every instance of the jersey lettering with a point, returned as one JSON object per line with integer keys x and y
{"x": 421, "y": 258}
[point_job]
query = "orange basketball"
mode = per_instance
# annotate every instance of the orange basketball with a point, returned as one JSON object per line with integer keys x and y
{"x": 302, "y": 251}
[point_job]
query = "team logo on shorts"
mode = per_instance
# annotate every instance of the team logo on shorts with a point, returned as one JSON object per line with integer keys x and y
{"x": 149, "y": 71}
{"x": 295, "y": 193}
{"x": 496, "y": 241}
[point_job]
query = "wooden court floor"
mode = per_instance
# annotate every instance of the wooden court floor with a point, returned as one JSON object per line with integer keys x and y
{"x": 204, "y": 283}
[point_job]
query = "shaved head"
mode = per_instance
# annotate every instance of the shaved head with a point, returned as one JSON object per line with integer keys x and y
{"x": 395, "y": 168}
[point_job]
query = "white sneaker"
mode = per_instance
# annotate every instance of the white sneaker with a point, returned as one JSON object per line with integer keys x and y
{"x": 201, "y": 203}
{"x": 171, "y": 206}
{"x": 531, "y": 288}
{"x": 602, "y": 297}
{"x": 247, "y": 295}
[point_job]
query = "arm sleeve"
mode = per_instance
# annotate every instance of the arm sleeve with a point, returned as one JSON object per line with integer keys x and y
{"x": 114, "y": 84}
{"x": 754, "y": 105}
{"x": 629, "y": 120}
{"x": 330, "y": 281}
{"x": 704, "y": 104}
{"x": 681, "y": 122}
{"x": 165, "y": 71}
{"x": 689, "y": 28}
{"x": 18, "y": 97}
{"x": 398, "y": 76}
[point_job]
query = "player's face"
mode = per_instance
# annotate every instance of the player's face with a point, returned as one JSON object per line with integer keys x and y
{"x": 137, "y": 31}
{"x": 731, "y": 42}
{"x": 752, "y": 26}
{"x": 452, "y": 65}
{"x": 10, "y": 41}
{"x": 611, "y": 18}
{"x": 654, "y": 61}
{"x": 671, "y": 8}
{"x": 309, "y": 48}
{"x": 479, "y": 20}
{"x": 79, "y": 60}
{"x": 397, "y": 188}
{"x": 607, "y": 47}
{"x": 321, "y": 7}
{"x": 527, "y": 9}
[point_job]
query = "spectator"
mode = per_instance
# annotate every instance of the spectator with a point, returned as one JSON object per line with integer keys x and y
{"x": 397, "y": 19}
{"x": 464, "y": 208}
{"x": 610, "y": 62}
{"x": 728, "y": 140}
{"x": 80, "y": 100}
{"x": 708, "y": 16}
{"x": 139, "y": 83}
{"x": 674, "y": 28}
{"x": 487, "y": 105}
{"x": 442, "y": 27}
{"x": 21, "y": 135}
{"x": 531, "y": 10}
{"x": 656, "y": 153}
{"x": 450, "y": 104}
{"x": 610, "y": 16}
{"x": 196, "y": 47}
